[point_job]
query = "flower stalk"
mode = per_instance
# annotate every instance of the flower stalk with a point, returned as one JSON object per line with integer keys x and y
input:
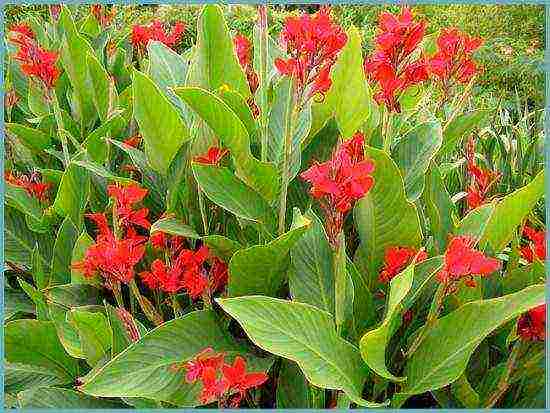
{"x": 263, "y": 45}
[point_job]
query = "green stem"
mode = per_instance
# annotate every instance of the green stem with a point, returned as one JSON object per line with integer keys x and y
{"x": 176, "y": 306}
{"x": 60, "y": 126}
{"x": 386, "y": 131}
{"x": 339, "y": 266}
{"x": 148, "y": 309}
{"x": 503, "y": 383}
{"x": 262, "y": 11}
{"x": 203, "y": 211}
{"x": 460, "y": 104}
{"x": 287, "y": 149}
{"x": 115, "y": 287}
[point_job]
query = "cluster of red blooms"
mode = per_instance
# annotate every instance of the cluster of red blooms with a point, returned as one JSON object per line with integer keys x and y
{"x": 536, "y": 249}
{"x": 35, "y": 62}
{"x": 339, "y": 182}
{"x": 186, "y": 269}
{"x": 133, "y": 141}
{"x": 102, "y": 15}
{"x": 213, "y": 156}
{"x": 243, "y": 48}
{"x": 396, "y": 259}
{"x": 453, "y": 60}
{"x": 227, "y": 383}
{"x": 482, "y": 179}
{"x": 313, "y": 43}
{"x": 32, "y": 184}
{"x": 532, "y": 325}
{"x": 392, "y": 64}
{"x": 114, "y": 254}
{"x": 462, "y": 261}
{"x": 142, "y": 35}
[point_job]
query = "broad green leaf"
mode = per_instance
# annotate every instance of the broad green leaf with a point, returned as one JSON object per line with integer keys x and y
{"x": 292, "y": 387}
{"x": 160, "y": 125}
{"x": 439, "y": 208}
{"x": 73, "y": 295}
{"x": 121, "y": 338}
{"x": 229, "y": 192}
{"x": 373, "y": 344}
{"x": 19, "y": 199}
{"x": 31, "y": 137}
{"x": 413, "y": 154}
{"x": 39, "y": 274}
{"x": 384, "y": 217}
{"x": 81, "y": 245}
{"x": 16, "y": 302}
{"x": 261, "y": 269}
{"x": 36, "y": 99}
{"x": 74, "y": 50}
{"x": 463, "y": 391}
{"x": 349, "y": 96}
{"x": 311, "y": 277}
{"x": 173, "y": 226}
{"x": 233, "y": 135}
{"x": 523, "y": 277}
{"x": 215, "y": 62}
{"x": 306, "y": 335}
{"x": 424, "y": 274}
{"x": 474, "y": 224}
{"x": 96, "y": 144}
{"x": 104, "y": 94}
{"x": 19, "y": 377}
{"x": 62, "y": 253}
{"x": 510, "y": 212}
{"x": 35, "y": 342}
{"x": 364, "y": 311}
{"x": 58, "y": 398}
{"x": 94, "y": 332}
{"x": 66, "y": 332}
{"x": 72, "y": 194}
{"x": 145, "y": 369}
{"x": 239, "y": 106}
{"x": 443, "y": 355}
{"x": 462, "y": 125}
{"x": 38, "y": 298}
{"x": 221, "y": 246}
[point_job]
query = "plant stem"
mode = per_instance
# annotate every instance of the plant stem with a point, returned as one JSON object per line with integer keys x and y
{"x": 289, "y": 130}
{"x": 203, "y": 211}
{"x": 503, "y": 383}
{"x": 60, "y": 126}
{"x": 176, "y": 306}
{"x": 338, "y": 262}
{"x": 430, "y": 321}
{"x": 115, "y": 287}
{"x": 262, "y": 11}
{"x": 146, "y": 306}
{"x": 460, "y": 103}
{"x": 386, "y": 131}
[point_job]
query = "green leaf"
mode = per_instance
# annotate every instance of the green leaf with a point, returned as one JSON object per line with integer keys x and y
{"x": 311, "y": 277}
{"x": 72, "y": 194}
{"x": 94, "y": 332}
{"x": 413, "y": 154}
{"x": 443, "y": 355}
{"x": 384, "y": 217}
{"x": 56, "y": 398}
{"x": 74, "y": 295}
{"x": 460, "y": 126}
{"x": 96, "y": 144}
{"x": 523, "y": 277}
{"x": 38, "y": 104}
{"x": 306, "y": 335}
{"x": 462, "y": 391}
{"x": 74, "y": 50}
{"x": 292, "y": 387}
{"x": 474, "y": 224}
{"x": 349, "y": 97}
{"x": 215, "y": 62}
{"x": 120, "y": 336}
{"x": 35, "y": 342}
{"x": 62, "y": 253}
{"x": 239, "y": 106}
{"x": 373, "y": 344}
{"x": 173, "y": 226}
{"x": 19, "y": 377}
{"x": 31, "y": 137}
{"x": 364, "y": 311}
{"x": 19, "y": 199}
{"x": 439, "y": 208}
{"x": 66, "y": 332}
{"x": 38, "y": 298}
{"x": 39, "y": 275}
{"x": 222, "y": 247}
{"x": 160, "y": 125}
{"x": 104, "y": 94}
{"x": 145, "y": 368}
{"x": 16, "y": 302}
{"x": 232, "y": 133}
{"x": 229, "y": 192}
{"x": 261, "y": 269}
{"x": 510, "y": 212}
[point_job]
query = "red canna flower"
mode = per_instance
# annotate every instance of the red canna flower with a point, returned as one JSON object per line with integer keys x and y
{"x": 55, "y": 9}
{"x": 462, "y": 261}
{"x": 126, "y": 197}
{"x": 536, "y": 249}
{"x": 218, "y": 275}
{"x": 481, "y": 179}
{"x": 133, "y": 141}
{"x": 313, "y": 43}
{"x": 339, "y": 182}
{"x": 212, "y": 157}
{"x": 207, "y": 358}
{"x": 141, "y": 35}
{"x": 532, "y": 325}
{"x": 10, "y": 99}
{"x": 396, "y": 259}
{"x": 22, "y": 29}
{"x": 243, "y": 48}
{"x": 392, "y": 66}
{"x": 32, "y": 184}
{"x": 453, "y": 60}
{"x": 239, "y": 380}
{"x": 35, "y": 62}
{"x": 102, "y": 15}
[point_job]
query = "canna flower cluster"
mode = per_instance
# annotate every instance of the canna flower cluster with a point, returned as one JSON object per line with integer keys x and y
{"x": 394, "y": 65}
{"x": 313, "y": 43}
{"x": 453, "y": 62}
{"x": 397, "y": 259}
{"x": 536, "y": 249}
{"x": 532, "y": 325}
{"x": 462, "y": 261}
{"x": 213, "y": 156}
{"x": 142, "y": 35}
{"x": 33, "y": 184}
{"x": 341, "y": 181}
{"x": 103, "y": 16}
{"x": 115, "y": 253}
{"x": 36, "y": 62}
{"x": 226, "y": 383}
{"x": 482, "y": 179}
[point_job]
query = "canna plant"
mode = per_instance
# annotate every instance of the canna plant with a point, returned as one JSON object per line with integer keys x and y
{"x": 262, "y": 222}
